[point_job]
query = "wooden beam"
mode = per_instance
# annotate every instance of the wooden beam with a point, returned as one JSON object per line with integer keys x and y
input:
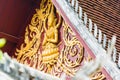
{"x": 9, "y": 37}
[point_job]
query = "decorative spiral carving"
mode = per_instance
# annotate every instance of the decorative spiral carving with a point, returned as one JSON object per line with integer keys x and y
{"x": 40, "y": 48}
{"x": 71, "y": 54}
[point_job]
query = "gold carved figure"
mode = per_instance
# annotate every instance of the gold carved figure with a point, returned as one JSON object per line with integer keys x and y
{"x": 46, "y": 21}
{"x": 40, "y": 48}
{"x": 50, "y": 51}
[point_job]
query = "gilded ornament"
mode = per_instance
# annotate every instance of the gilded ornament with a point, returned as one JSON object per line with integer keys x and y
{"x": 40, "y": 48}
{"x": 98, "y": 75}
{"x": 72, "y": 48}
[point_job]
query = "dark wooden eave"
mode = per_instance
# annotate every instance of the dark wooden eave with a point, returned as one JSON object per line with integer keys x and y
{"x": 106, "y": 14}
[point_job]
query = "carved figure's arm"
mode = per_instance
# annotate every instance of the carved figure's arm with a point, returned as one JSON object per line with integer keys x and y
{"x": 55, "y": 39}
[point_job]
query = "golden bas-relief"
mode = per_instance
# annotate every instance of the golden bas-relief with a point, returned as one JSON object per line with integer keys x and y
{"x": 40, "y": 48}
{"x": 43, "y": 38}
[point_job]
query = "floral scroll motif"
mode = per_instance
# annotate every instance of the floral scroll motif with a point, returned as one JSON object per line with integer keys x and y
{"x": 71, "y": 55}
{"x": 40, "y": 48}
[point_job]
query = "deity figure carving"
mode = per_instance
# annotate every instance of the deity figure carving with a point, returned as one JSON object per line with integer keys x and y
{"x": 40, "y": 47}
{"x": 50, "y": 50}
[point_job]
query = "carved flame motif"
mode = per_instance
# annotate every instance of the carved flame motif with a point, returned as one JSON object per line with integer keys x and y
{"x": 40, "y": 48}
{"x": 32, "y": 36}
{"x": 44, "y": 22}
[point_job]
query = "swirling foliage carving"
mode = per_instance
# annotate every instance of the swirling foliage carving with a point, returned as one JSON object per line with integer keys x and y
{"x": 40, "y": 48}
{"x": 71, "y": 54}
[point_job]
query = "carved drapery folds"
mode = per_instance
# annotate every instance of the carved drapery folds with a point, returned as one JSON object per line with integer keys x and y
{"x": 50, "y": 45}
